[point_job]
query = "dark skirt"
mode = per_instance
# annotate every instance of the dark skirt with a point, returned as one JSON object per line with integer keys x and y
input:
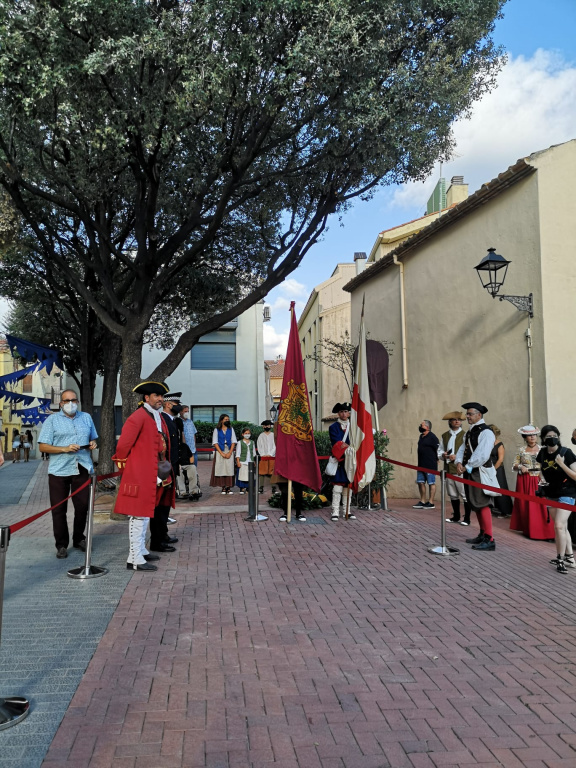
{"x": 221, "y": 481}
{"x": 503, "y": 504}
{"x": 476, "y": 496}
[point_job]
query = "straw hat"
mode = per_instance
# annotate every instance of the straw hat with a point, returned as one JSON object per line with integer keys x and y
{"x": 529, "y": 429}
{"x": 453, "y": 415}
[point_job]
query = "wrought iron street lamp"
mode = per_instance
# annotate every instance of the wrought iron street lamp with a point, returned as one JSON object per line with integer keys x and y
{"x": 492, "y": 273}
{"x": 274, "y": 412}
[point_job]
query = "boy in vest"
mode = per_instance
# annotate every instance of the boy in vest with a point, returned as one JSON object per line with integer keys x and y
{"x": 473, "y": 453}
{"x": 450, "y": 443}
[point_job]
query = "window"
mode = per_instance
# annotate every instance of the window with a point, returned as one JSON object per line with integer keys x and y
{"x": 212, "y": 412}
{"x": 27, "y": 383}
{"x": 215, "y": 352}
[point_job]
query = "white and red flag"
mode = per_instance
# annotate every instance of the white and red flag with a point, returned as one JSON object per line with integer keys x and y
{"x": 361, "y": 435}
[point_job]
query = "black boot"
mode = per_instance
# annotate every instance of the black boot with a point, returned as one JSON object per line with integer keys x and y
{"x": 467, "y": 512}
{"x": 487, "y": 544}
{"x": 477, "y": 540}
{"x": 455, "y": 511}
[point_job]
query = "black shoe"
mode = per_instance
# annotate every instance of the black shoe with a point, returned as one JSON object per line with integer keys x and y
{"x": 81, "y": 545}
{"x": 170, "y": 540}
{"x": 428, "y": 505}
{"x": 477, "y": 540}
{"x": 250, "y": 519}
{"x": 419, "y": 505}
{"x": 162, "y": 548}
{"x": 487, "y": 545}
{"x": 464, "y": 522}
{"x": 171, "y": 521}
{"x": 61, "y": 553}
{"x": 143, "y": 567}
{"x": 451, "y": 520}
{"x": 151, "y": 558}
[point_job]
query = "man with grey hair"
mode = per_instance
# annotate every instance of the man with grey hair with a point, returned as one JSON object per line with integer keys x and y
{"x": 68, "y": 437}
{"x": 427, "y": 460}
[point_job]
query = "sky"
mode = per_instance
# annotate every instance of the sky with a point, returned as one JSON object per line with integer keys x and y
{"x": 532, "y": 107}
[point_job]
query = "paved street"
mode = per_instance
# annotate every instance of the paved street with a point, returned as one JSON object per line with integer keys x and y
{"x": 336, "y": 646}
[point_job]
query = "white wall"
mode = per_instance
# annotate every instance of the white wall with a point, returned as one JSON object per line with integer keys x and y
{"x": 243, "y": 387}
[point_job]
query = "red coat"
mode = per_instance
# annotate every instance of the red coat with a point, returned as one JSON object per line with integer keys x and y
{"x": 137, "y": 455}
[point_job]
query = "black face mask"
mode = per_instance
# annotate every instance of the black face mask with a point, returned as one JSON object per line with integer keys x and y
{"x": 552, "y": 441}
{"x": 226, "y": 423}
{"x": 421, "y": 428}
{"x": 267, "y": 429}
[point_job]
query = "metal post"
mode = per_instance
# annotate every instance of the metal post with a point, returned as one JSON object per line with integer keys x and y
{"x": 89, "y": 571}
{"x": 13, "y": 709}
{"x": 443, "y": 549}
{"x": 253, "y": 499}
{"x": 259, "y": 518}
{"x": 384, "y": 498}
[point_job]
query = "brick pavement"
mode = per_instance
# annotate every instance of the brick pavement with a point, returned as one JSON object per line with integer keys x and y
{"x": 337, "y": 646}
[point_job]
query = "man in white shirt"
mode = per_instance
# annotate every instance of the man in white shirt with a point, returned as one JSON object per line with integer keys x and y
{"x": 450, "y": 442}
{"x": 473, "y": 453}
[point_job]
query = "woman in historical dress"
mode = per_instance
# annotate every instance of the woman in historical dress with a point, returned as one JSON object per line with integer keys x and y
{"x": 502, "y": 504}
{"x": 224, "y": 442}
{"x": 528, "y": 516}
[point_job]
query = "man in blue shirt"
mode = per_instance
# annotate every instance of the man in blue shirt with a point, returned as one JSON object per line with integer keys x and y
{"x": 68, "y": 437}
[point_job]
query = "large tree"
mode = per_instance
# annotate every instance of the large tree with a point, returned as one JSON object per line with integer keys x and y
{"x": 201, "y": 143}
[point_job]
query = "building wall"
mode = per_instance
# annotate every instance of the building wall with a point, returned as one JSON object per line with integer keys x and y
{"x": 326, "y": 316}
{"x": 557, "y": 220}
{"x": 461, "y": 344}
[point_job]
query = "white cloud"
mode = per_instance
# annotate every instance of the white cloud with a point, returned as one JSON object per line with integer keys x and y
{"x": 275, "y": 343}
{"x": 532, "y": 108}
{"x": 293, "y": 289}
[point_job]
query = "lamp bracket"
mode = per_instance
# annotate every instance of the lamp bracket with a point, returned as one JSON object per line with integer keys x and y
{"x": 523, "y": 303}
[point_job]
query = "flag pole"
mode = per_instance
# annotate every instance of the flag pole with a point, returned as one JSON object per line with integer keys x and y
{"x": 348, "y": 500}
{"x": 289, "y": 505}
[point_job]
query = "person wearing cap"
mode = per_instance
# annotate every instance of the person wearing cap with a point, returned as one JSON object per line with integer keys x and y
{"x": 68, "y": 437}
{"x": 160, "y": 539}
{"x": 428, "y": 445}
{"x": 340, "y": 437}
{"x": 450, "y": 443}
{"x": 141, "y": 454}
{"x": 266, "y": 447}
{"x": 530, "y": 518}
{"x": 474, "y": 453}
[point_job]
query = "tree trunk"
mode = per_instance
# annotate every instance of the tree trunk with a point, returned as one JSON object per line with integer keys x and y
{"x": 87, "y": 380}
{"x": 130, "y": 372}
{"x": 107, "y": 443}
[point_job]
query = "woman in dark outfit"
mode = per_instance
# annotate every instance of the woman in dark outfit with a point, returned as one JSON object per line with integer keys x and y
{"x": 558, "y": 484}
{"x": 502, "y": 504}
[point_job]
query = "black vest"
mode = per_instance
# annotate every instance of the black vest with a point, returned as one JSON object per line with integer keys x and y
{"x": 471, "y": 442}
{"x": 174, "y": 441}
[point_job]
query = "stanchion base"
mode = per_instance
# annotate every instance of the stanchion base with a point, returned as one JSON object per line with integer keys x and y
{"x": 443, "y": 551}
{"x": 13, "y": 709}
{"x": 87, "y": 573}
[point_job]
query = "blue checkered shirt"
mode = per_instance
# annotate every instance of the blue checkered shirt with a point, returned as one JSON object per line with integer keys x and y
{"x": 62, "y": 430}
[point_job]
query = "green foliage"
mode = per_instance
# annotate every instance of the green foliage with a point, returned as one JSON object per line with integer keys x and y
{"x": 206, "y": 430}
{"x": 384, "y": 471}
{"x": 310, "y": 500}
{"x": 187, "y": 155}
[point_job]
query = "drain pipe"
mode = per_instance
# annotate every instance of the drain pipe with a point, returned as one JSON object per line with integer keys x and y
{"x": 403, "y": 324}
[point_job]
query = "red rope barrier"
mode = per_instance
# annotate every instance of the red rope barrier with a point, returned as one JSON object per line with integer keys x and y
{"x": 501, "y": 491}
{"x": 28, "y": 520}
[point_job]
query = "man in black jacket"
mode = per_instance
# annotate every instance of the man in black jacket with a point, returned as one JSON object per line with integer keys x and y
{"x": 160, "y": 540}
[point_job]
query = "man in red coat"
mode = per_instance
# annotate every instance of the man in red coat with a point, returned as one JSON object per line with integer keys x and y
{"x": 142, "y": 450}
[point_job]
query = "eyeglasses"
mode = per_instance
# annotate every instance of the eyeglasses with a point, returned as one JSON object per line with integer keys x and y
{"x": 70, "y": 400}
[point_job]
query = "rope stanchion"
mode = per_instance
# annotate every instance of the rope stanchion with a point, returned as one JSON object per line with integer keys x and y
{"x": 89, "y": 571}
{"x": 13, "y": 709}
{"x": 443, "y": 549}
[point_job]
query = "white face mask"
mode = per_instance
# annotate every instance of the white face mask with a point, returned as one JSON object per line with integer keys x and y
{"x": 247, "y": 435}
{"x": 70, "y": 408}
{"x": 185, "y": 415}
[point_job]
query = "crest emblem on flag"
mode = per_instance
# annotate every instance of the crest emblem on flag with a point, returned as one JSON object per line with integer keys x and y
{"x": 295, "y": 412}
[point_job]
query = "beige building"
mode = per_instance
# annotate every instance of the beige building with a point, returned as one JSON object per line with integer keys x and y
{"x": 275, "y": 375}
{"x": 326, "y": 316}
{"x": 455, "y": 342}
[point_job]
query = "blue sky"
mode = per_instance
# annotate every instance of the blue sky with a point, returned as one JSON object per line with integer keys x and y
{"x": 533, "y": 107}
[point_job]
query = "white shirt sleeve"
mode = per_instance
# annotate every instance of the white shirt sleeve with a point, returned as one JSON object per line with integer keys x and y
{"x": 460, "y": 454}
{"x": 234, "y": 440}
{"x": 481, "y": 455}
{"x": 441, "y": 449}
{"x": 238, "y": 449}
{"x": 215, "y": 437}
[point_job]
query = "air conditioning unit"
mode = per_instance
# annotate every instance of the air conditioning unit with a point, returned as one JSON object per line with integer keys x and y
{"x": 266, "y": 314}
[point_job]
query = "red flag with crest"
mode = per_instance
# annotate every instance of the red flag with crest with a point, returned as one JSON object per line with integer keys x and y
{"x": 296, "y": 457}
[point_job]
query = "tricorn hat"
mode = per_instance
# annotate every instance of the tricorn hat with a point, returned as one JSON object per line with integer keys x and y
{"x": 266, "y": 423}
{"x": 341, "y": 407}
{"x": 453, "y": 415}
{"x": 173, "y": 397}
{"x": 151, "y": 388}
{"x": 477, "y": 407}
